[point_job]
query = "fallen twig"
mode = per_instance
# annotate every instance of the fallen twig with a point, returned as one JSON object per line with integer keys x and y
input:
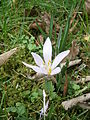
{"x": 70, "y": 103}
{"x": 71, "y": 63}
{"x": 82, "y": 80}
{"x": 84, "y": 105}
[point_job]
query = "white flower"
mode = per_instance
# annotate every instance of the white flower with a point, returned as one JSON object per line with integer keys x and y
{"x": 45, "y": 106}
{"x": 47, "y": 67}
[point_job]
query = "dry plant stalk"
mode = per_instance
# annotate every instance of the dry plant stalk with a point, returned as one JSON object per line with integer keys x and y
{"x": 65, "y": 85}
{"x": 5, "y": 56}
{"x": 72, "y": 28}
{"x": 74, "y": 101}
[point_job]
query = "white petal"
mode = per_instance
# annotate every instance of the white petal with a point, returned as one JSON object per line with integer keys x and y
{"x": 59, "y": 58}
{"x": 41, "y": 112}
{"x": 44, "y": 70}
{"x": 47, "y": 51}
{"x": 56, "y": 71}
{"x": 35, "y": 68}
{"x": 46, "y": 107}
{"x": 44, "y": 94}
{"x": 38, "y": 59}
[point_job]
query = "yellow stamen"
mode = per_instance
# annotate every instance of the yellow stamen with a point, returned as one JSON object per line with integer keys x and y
{"x": 49, "y": 71}
{"x": 43, "y": 63}
{"x": 49, "y": 62}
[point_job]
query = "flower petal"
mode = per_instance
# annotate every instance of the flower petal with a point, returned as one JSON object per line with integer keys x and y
{"x": 38, "y": 59}
{"x": 46, "y": 107}
{"x": 56, "y": 71}
{"x": 47, "y": 51}
{"x": 35, "y": 68}
{"x": 59, "y": 58}
{"x": 40, "y": 70}
{"x": 44, "y": 94}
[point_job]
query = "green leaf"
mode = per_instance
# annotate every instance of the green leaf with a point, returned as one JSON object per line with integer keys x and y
{"x": 53, "y": 95}
{"x": 26, "y": 93}
{"x": 51, "y": 111}
{"x": 20, "y": 108}
{"x": 24, "y": 41}
{"x": 22, "y": 118}
{"x": 89, "y": 85}
{"x": 48, "y": 86}
{"x": 11, "y": 109}
{"x": 75, "y": 86}
{"x": 31, "y": 47}
{"x": 35, "y": 94}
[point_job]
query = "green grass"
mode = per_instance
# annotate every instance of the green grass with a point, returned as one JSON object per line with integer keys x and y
{"x": 25, "y": 102}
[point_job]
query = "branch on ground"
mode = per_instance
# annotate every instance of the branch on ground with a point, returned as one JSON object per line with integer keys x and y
{"x": 74, "y": 101}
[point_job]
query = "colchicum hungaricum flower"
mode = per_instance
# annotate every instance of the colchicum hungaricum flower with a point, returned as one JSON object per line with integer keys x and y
{"x": 46, "y": 66}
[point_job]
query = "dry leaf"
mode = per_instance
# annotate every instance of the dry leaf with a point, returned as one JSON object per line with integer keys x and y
{"x": 87, "y": 5}
{"x": 87, "y": 38}
{"x": 5, "y": 56}
{"x": 40, "y": 39}
{"x": 72, "y": 28}
{"x": 74, "y": 50}
{"x": 44, "y": 23}
{"x": 34, "y": 25}
{"x": 46, "y": 19}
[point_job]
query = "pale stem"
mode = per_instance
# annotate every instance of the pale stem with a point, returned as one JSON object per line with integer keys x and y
{"x": 44, "y": 106}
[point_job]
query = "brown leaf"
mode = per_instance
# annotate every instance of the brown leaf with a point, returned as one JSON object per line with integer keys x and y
{"x": 46, "y": 19}
{"x": 72, "y": 28}
{"x": 39, "y": 39}
{"x": 87, "y": 5}
{"x": 34, "y": 25}
{"x": 5, "y": 56}
{"x": 74, "y": 50}
{"x": 87, "y": 38}
{"x": 44, "y": 23}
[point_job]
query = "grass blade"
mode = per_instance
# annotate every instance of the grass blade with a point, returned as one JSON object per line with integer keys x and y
{"x": 51, "y": 27}
{"x": 63, "y": 40}
{"x": 42, "y": 32}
